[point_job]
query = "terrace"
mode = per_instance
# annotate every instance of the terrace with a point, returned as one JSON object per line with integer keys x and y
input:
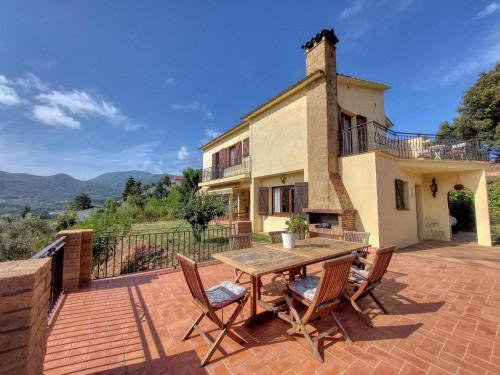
{"x": 372, "y": 136}
{"x": 444, "y": 319}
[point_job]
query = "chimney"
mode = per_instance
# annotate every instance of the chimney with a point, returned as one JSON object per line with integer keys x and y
{"x": 326, "y": 192}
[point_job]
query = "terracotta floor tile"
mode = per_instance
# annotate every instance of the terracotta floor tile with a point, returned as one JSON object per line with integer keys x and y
{"x": 443, "y": 319}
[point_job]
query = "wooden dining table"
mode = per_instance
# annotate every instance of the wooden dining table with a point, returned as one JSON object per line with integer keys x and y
{"x": 273, "y": 258}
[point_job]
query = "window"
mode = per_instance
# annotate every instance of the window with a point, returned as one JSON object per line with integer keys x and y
{"x": 401, "y": 195}
{"x": 283, "y": 200}
{"x": 232, "y": 155}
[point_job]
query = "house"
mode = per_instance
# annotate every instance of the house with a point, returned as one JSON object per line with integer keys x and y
{"x": 325, "y": 149}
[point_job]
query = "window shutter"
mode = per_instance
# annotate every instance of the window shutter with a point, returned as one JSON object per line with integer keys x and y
{"x": 400, "y": 201}
{"x": 300, "y": 198}
{"x": 246, "y": 147}
{"x": 214, "y": 166}
{"x": 223, "y": 158}
{"x": 237, "y": 147}
{"x": 263, "y": 201}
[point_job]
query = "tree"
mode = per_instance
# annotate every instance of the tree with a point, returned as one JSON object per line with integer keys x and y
{"x": 130, "y": 188}
{"x": 26, "y": 210}
{"x": 200, "y": 209}
{"x": 479, "y": 112}
{"x": 162, "y": 187}
{"x": 82, "y": 202}
{"x": 65, "y": 220}
{"x": 189, "y": 184}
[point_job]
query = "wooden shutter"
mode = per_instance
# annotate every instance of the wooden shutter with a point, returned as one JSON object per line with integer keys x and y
{"x": 246, "y": 147}
{"x": 223, "y": 158}
{"x": 400, "y": 200}
{"x": 300, "y": 198}
{"x": 263, "y": 201}
{"x": 237, "y": 152}
{"x": 215, "y": 167}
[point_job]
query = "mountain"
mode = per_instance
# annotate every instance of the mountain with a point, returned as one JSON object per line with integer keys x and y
{"x": 117, "y": 179}
{"x": 51, "y": 193}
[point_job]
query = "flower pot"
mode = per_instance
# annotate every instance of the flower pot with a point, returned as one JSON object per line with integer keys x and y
{"x": 288, "y": 240}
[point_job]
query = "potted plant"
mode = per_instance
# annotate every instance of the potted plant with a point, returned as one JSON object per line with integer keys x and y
{"x": 296, "y": 227}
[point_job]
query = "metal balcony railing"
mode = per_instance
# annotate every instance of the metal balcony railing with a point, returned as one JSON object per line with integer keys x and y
{"x": 236, "y": 167}
{"x": 374, "y": 137}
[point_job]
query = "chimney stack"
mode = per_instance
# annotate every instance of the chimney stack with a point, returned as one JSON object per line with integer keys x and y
{"x": 326, "y": 191}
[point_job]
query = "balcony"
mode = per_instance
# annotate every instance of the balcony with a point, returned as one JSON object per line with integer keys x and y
{"x": 237, "y": 167}
{"x": 374, "y": 137}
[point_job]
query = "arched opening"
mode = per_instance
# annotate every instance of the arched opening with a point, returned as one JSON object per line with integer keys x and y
{"x": 462, "y": 213}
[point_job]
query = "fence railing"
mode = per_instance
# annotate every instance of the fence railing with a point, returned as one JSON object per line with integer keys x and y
{"x": 374, "y": 137}
{"x": 237, "y": 167}
{"x": 116, "y": 255}
{"x": 55, "y": 251}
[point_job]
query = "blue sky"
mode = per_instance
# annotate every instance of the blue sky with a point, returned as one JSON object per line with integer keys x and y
{"x": 88, "y": 87}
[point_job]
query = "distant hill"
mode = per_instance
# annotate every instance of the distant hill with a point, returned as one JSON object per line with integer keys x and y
{"x": 50, "y": 193}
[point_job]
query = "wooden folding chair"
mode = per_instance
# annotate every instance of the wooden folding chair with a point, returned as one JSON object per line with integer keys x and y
{"x": 362, "y": 282}
{"x": 237, "y": 242}
{"x": 211, "y": 300}
{"x": 359, "y": 237}
{"x": 321, "y": 295}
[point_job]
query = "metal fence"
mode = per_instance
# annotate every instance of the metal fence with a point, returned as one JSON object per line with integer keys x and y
{"x": 372, "y": 136}
{"x": 55, "y": 251}
{"x": 116, "y": 255}
{"x": 236, "y": 167}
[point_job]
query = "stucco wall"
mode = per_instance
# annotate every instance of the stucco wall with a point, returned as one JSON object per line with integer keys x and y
{"x": 358, "y": 174}
{"x": 364, "y": 101}
{"x": 397, "y": 227}
{"x": 269, "y": 223}
{"x": 279, "y": 138}
{"x": 226, "y": 142}
{"x": 436, "y": 209}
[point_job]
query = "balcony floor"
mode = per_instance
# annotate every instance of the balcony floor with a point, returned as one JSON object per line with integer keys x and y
{"x": 445, "y": 318}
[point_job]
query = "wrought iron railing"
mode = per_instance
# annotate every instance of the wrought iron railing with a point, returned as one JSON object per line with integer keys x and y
{"x": 116, "y": 255}
{"x": 55, "y": 251}
{"x": 237, "y": 167}
{"x": 374, "y": 137}
{"x": 241, "y": 216}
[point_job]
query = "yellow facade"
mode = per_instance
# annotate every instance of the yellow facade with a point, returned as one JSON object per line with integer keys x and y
{"x": 278, "y": 150}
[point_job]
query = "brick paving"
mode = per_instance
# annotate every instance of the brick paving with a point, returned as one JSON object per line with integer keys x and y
{"x": 445, "y": 319}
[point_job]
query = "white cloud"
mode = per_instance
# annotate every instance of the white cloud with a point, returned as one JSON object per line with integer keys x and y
{"x": 212, "y": 133}
{"x": 354, "y": 7}
{"x": 194, "y": 106}
{"x": 488, "y": 10}
{"x": 8, "y": 96}
{"x": 171, "y": 81}
{"x": 487, "y": 56}
{"x": 183, "y": 153}
{"x": 79, "y": 103}
{"x": 54, "y": 116}
{"x": 30, "y": 82}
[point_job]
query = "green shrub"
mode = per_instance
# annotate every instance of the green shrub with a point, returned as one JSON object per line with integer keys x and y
{"x": 461, "y": 206}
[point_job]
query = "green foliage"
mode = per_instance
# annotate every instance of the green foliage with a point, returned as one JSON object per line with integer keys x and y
{"x": 200, "y": 209}
{"x": 298, "y": 225}
{"x": 20, "y": 237}
{"x": 25, "y": 211}
{"x": 479, "y": 112}
{"x": 461, "y": 206}
{"x": 65, "y": 220}
{"x": 189, "y": 183}
{"x": 162, "y": 187}
{"x": 112, "y": 205}
{"x": 494, "y": 201}
{"x": 82, "y": 202}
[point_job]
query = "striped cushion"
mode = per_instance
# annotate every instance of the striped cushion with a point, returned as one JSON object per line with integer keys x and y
{"x": 305, "y": 287}
{"x": 357, "y": 275}
{"x": 225, "y": 293}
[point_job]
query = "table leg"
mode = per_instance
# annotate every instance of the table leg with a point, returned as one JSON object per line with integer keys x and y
{"x": 255, "y": 296}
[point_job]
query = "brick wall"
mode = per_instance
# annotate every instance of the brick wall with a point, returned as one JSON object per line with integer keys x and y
{"x": 24, "y": 304}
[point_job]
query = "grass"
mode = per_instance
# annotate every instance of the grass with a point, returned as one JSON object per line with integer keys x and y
{"x": 158, "y": 227}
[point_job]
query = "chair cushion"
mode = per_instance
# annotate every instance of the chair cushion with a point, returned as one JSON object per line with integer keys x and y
{"x": 357, "y": 275}
{"x": 225, "y": 293}
{"x": 305, "y": 287}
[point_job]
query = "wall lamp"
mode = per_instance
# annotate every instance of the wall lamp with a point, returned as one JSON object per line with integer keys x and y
{"x": 434, "y": 187}
{"x": 283, "y": 179}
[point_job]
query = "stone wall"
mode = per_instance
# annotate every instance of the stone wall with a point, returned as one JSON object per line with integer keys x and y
{"x": 24, "y": 304}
